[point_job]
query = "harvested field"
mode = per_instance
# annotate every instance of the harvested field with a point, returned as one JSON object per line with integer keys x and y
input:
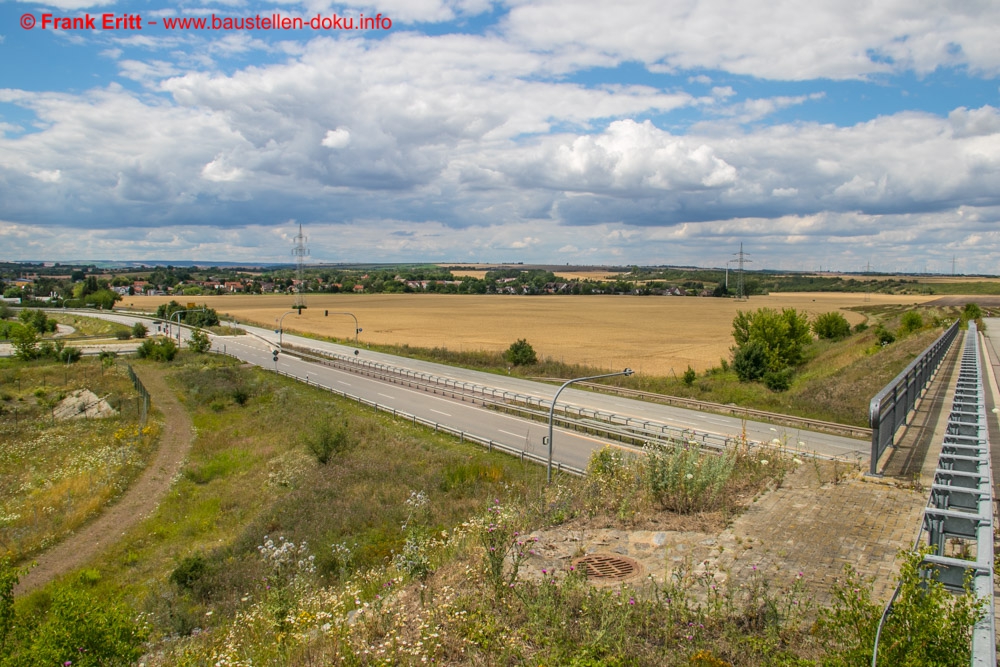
{"x": 654, "y": 335}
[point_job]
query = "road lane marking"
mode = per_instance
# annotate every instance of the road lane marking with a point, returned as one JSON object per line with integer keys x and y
{"x": 387, "y": 396}
{"x": 440, "y": 413}
{"x": 346, "y": 384}
{"x": 516, "y": 435}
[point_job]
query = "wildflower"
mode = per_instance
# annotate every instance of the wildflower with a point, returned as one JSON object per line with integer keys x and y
{"x": 797, "y": 461}
{"x": 763, "y": 462}
{"x": 689, "y": 476}
{"x": 631, "y": 600}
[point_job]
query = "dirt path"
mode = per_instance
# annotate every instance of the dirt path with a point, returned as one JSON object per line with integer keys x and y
{"x": 138, "y": 502}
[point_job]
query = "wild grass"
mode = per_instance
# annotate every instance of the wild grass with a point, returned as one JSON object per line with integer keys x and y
{"x": 55, "y": 474}
{"x": 409, "y": 548}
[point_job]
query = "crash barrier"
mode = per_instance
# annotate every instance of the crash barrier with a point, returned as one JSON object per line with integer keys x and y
{"x": 958, "y": 519}
{"x": 463, "y": 436}
{"x": 890, "y": 407}
{"x": 627, "y": 430}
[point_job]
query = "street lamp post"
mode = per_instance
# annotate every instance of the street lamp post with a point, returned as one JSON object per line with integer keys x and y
{"x": 280, "y": 330}
{"x": 552, "y": 409}
{"x": 178, "y": 313}
{"x": 357, "y": 329}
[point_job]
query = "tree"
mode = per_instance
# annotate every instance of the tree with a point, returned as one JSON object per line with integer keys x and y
{"x": 199, "y": 342}
{"x": 832, "y": 326}
{"x": 103, "y": 299}
{"x": 25, "y": 341}
{"x": 782, "y": 336}
{"x": 520, "y": 353}
{"x": 139, "y": 330}
{"x": 972, "y": 311}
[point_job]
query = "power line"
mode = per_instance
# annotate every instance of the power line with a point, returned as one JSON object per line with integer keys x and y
{"x": 301, "y": 252}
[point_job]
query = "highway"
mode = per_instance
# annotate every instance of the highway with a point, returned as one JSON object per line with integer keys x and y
{"x": 571, "y": 448}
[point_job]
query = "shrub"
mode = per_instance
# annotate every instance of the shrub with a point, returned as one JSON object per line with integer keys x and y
{"x": 199, "y": 342}
{"x": 139, "y": 330}
{"x": 750, "y": 362}
{"x": 927, "y": 626}
{"x": 70, "y": 355}
{"x": 860, "y": 326}
{"x": 189, "y": 571}
{"x": 910, "y": 322}
{"x": 884, "y": 336}
{"x": 689, "y": 376}
{"x": 832, "y": 326}
{"x": 520, "y": 353}
{"x": 325, "y": 440}
{"x": 123, "y": 334}
{"x": 164, "y": 349}
{"x": 778, "y": 380}
{"x": 683, "y": 479}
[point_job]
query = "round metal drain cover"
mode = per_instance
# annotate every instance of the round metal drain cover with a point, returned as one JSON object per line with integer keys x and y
{"x": 608, "y": 566}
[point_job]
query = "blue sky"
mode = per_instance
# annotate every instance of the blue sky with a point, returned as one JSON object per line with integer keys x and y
{"x": 819, "y": 134}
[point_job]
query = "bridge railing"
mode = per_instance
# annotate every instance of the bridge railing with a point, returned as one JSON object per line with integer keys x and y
{"x": 890, "y": 407}
{"x": 958, "y": 520}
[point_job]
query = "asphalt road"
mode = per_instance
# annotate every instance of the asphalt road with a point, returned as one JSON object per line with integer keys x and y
{"x": 570, "y": 447}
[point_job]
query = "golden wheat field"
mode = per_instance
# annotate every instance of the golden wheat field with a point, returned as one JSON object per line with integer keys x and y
{"x": 653, "y": 335}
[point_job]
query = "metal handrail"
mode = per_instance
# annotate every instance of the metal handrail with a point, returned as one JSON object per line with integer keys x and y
{"x": 890, "y": 407}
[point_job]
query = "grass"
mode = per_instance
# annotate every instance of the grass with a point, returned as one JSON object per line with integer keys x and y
{"x": 386, "y": 554}
{"x": 54, "y": 475}
{"x": 87, "y": 326}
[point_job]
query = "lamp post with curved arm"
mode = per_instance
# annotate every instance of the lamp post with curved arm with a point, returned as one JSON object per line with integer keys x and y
{"x": 178, "y": 314}
{"x": 357, "y": 329}
{"x": 552, "y": 409}
{"x": 280, "y": 330}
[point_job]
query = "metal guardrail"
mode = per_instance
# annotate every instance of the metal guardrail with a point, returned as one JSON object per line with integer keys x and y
{"x": 958, "y": 519}
{"x": 733, "y": 410}
{"x": 463, "y": 436}
{"x": 890, "y": 407}
{"x": 607, "y": 424}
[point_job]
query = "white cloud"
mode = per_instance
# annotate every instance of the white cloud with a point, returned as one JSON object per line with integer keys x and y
{"x": 48, "y": 175}
{"x": 338, "y": 138}
{"x": 833, "y": 39}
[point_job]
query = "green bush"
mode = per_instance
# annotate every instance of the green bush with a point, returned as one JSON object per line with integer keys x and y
{"x": 860, "y": 326}
{"x": 782, "y": 336}
{"x": 910, "y": 322}
{"x": 520, "y": 353}
{"x": 689, "y": 376}
{"x": 884, "y": 336}
{"x": 832, "y": 326}
{"x": 123, "y": 334}
{"x": 164, "y": 349}
{"x": 778, "y": 380}
{"x": 199, "y": 342}
{"x": 750, "y": 362}
{"x": 325, "y": 440}
{"x": 70, "y": 355}
{"x": 139, "y": 330}
{"x": 189, "y": 571}
{"x": 927, "y": 625}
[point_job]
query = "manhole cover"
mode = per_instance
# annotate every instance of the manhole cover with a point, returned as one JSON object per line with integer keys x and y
{"x": 608, "y": 567}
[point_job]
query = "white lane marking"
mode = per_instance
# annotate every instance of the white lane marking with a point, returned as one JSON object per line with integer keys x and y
{"x": 516, "y": 435}
{"x": 440, "y": 413}
{"x": 387, "y": 396}
{"x": 346, "y": 384}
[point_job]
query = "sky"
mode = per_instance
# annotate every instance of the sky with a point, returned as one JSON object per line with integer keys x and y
{"x": 820, "y": 134}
